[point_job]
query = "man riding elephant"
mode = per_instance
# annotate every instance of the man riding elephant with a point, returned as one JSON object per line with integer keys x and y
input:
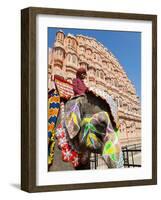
{"x": 87, "y": 125}
{"x": 79, "y": 86}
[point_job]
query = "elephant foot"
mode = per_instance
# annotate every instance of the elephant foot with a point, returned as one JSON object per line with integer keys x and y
{"x": 84, "y": 161}
{"x": 83, "y": 167}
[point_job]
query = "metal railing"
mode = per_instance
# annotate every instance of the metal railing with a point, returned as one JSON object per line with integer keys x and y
{"x": 130, "y": 154}
{"x": 97, "y": 162}
{"x": 131, "y": 157}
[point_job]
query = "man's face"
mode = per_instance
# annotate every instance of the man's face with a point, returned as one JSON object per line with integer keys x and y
{"x": 83, "y": 76}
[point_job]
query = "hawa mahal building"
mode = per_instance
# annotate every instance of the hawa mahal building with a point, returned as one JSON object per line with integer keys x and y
{"x": 104, "y": 71}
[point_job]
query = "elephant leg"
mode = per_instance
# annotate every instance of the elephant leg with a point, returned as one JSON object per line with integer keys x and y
{"x": 84, "y": 154}
{"x": 84, "y": 161}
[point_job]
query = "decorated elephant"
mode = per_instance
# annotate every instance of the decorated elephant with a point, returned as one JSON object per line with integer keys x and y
{"x": 85, "y": 124}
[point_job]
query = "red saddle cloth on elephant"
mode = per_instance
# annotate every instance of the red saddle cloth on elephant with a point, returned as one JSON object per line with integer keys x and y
{"x": 65, "y": 88}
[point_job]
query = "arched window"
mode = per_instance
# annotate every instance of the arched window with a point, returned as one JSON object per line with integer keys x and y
{"x": 74, "y": 59}
{"x": 110, "y": 67}
{"x": 108, "y": 79}
{"x": 73, "y": 43}
{"x": 98, "y": 58}
{"x": 60, "y": 52}
{"x": 101, "y": 75}
{"x": 94, "y": 56}
{"x": 133, "y": 128}
{"x": 59, "y": 36}
{"x": 82, "y": 50}
{"x": 117, "y": 101}
{"x": 120, "y": 103}
{"x": 69, "y": 57}
{"x": 69, "y": 42}
{"x": 129, "y": 107}
{"x": 116, "y": 83}
{"x": 88, "y": 52}
{"x": 123, "y": 127}
{"x": 97, "y": 73}
{"x": 104, "y": 64}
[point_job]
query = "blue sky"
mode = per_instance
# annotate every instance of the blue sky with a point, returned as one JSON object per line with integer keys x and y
{"x": 125, "y": 46}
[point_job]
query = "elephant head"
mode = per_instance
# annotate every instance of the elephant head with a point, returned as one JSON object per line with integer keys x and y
{"x": 92, "y": 132}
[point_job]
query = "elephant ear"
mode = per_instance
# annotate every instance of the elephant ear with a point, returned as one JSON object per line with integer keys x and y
{"x": 72, "y": 118}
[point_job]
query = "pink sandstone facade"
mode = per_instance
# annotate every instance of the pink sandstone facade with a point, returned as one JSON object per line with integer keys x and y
{"x": 70, "y": 52}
